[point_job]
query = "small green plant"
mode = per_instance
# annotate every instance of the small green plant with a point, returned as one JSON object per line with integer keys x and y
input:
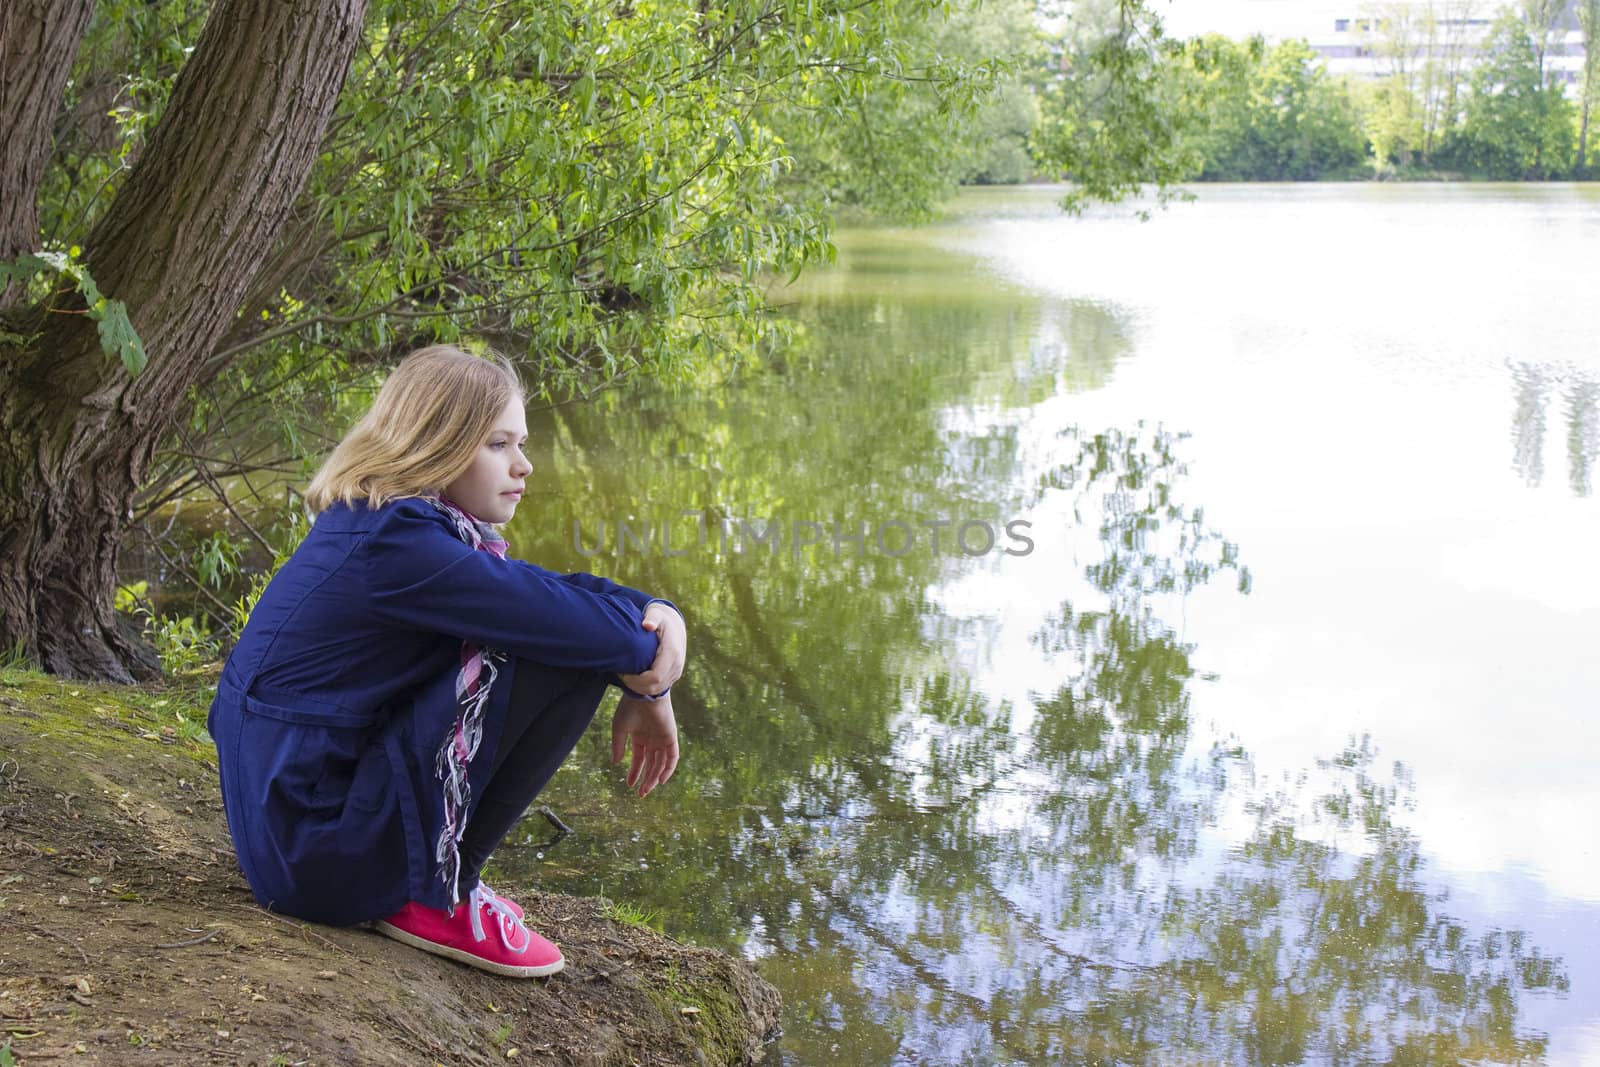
{"x": 192, "y": 729}
{"x": 247, "y": 603}
{"x": 182, "y": 643}
{"x": 217, "y": 559}
{"x": 5, "y": 1056}
{"x": 624, "y": 912}
{"x": 15, "y": 658}
{"x": 131, "y": 598}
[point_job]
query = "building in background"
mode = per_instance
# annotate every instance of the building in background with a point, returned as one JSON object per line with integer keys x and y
{"x": 1377, "y": 40}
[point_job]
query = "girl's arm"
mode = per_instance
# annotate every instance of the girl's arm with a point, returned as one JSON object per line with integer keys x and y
{"x": 421, "y": 576}
{"x": 668, "y": 626}
{"x": 603, "y": 586}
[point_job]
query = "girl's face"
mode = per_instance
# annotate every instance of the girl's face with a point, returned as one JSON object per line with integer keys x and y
{"x": 492, "y": 486}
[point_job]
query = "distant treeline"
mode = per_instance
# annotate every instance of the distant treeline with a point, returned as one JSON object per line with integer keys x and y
{"x": 1273, "y": 114}
{"x": 1113, "y": 95}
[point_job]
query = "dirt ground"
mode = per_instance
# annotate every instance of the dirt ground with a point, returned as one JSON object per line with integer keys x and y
{"x": 128, "y": 936}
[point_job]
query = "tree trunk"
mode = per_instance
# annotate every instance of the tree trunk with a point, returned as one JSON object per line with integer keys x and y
{"x": 1580, "y": 167}
{"x": 58, "y": 559}
{"x": 38, "y": 40}
{"x": 180, "y": 246}
{"x": 1589, "y": 25}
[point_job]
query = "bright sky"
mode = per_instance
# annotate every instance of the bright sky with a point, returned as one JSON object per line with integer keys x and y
{"x": 1277, "y": 19}
{"x": 1240, "y": 18}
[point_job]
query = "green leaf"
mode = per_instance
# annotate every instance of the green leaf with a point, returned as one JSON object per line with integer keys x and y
{"x": 118, "y": 337}
{"x": 25, "y": 269}
{"x": 86, "y": 286}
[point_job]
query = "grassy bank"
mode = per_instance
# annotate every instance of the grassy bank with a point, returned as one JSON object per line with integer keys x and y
{"x": 127, "y": 934}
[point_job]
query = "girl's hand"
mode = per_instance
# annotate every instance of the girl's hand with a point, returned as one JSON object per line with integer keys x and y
{"x": 648, "y": 728}
{"x": 672, "y": 649}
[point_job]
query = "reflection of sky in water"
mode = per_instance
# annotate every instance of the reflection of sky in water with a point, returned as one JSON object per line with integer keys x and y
{"x": 1015, "y": 812}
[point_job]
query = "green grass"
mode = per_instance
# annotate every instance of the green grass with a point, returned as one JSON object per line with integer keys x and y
{"x": 624, "y": 912}
{"x": 14, "y": 658}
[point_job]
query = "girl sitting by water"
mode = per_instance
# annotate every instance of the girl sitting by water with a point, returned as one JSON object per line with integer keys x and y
{"x": 403, "y": 690}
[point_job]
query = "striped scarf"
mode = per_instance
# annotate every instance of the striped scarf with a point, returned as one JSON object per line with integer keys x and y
{"x": 479, "y": 668}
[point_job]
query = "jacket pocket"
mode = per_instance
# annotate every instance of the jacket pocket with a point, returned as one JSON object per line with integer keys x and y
{"x": 312, "y": 756}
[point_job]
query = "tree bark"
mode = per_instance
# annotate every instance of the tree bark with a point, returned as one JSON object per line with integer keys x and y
{"x": 1580, "y": 166}
{"x": 180, "y": 246}
{"x": 1589, "y": 25}
{"x": 38, "y": 41}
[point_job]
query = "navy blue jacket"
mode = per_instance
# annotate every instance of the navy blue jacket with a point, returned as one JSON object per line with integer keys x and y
{"x": 331, "y": 708}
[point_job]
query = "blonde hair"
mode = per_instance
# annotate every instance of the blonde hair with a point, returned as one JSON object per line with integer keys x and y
{"x": 421, "y": 433}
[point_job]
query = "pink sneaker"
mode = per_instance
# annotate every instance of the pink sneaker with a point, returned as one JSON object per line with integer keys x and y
{"x": 506, "y": 947}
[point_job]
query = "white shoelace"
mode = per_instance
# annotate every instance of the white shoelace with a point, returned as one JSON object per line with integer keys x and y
{"x": 483, "y": 887}
{"x": 481, "y": 898}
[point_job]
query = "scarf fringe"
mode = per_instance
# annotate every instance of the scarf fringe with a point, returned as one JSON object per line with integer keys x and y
{"x": 480, "y": 667}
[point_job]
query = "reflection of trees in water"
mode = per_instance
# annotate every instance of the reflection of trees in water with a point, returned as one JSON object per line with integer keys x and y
{"x": 1151, "y": 543}
{"x": 1029, "y": 885}
{"x": 1344, "y": 954}
{"x": 1082, "y": 341}
{"x": 1527, "y": 422}
{"x": 1088, "y": 929}
{"x": 1580, "y": 407}
{"x": 1287, "y": 948}
{"x": 941, "y": 307}
{"x": 1014, "y": 349}
{"x": 932, "y": 877}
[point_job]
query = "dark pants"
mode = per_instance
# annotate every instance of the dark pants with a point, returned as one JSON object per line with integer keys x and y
{"x": 550, "y": 709}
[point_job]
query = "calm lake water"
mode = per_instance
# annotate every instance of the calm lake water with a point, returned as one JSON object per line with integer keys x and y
{"x": 1246, "y": 708}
